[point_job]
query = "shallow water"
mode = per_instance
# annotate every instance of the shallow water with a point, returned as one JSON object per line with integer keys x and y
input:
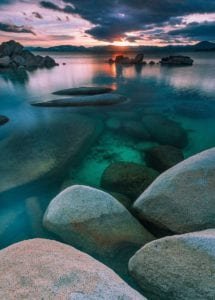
{"x": 150, "y": 89}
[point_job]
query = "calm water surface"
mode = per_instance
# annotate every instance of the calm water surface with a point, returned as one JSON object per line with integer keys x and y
{"x": 37, "y": 140}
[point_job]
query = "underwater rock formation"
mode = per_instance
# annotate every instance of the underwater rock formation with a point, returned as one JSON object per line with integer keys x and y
{"x": 165, "y": 131}
{"x": 3, "y": 120}
{"x": 26, "y": 156}
{"x": 163, "y": 157}
{"x": 128, "y": 178}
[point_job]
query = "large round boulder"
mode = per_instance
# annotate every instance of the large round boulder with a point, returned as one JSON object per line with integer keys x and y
{"x": 163, "y": 157}
{"x": 93, "y": 221}
{"x": 182, "y": 199}
{"x": 127, "y": 178}
{"x": 178, "y": 267}
{"x": 165, "y": 131}
{"x": 45, "y": 269}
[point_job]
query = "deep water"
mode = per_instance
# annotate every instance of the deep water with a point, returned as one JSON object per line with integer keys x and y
{"x": 183, "y": 94}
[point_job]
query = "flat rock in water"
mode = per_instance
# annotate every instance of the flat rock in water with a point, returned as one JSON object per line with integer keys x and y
{"x": 182, "y": 199}
{"x": 46, "y": 269}
{"x": 3, "y": 120}
{"x": 94, "y": 222}
{"x": 84, "y": 91}
{"x": 45, "y": 149}
{"x": 96, "y": 100}
{"x": 178, "y": 267}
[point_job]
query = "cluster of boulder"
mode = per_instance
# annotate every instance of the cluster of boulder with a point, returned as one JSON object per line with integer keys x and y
{"x": 13, "y": 55}
{"x": 180, "y": 266}
{"x": 138, "y": 60}
{"x": 177, "y": 60}
{"x": 121, "y": 59}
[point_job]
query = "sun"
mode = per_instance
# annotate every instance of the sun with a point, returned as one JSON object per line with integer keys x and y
{"x": 123, "y": 43}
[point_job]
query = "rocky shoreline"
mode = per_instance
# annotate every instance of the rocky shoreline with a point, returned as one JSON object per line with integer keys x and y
{"x": 180, "y": 200}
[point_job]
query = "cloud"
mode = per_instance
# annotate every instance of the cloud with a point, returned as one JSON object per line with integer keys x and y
{"x": 37, "y": 15}
{"x": 113, "y": 18}
{"x": 197, "y": 31}
{"x": 14, "y": 28}
{"x": 50, "y": 5}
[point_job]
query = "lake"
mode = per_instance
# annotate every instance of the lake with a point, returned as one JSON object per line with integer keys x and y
{"x": 44, "y": 150}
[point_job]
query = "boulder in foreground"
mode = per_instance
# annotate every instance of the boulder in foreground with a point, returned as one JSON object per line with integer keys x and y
{"x": 178, "y": 267}
{"x": 182, "y": 199}
{"x": 95, "y": 100}
{"x": 94, "y": 221}
{"x": 45, "y": 269}
{"x": 84, "y": 91}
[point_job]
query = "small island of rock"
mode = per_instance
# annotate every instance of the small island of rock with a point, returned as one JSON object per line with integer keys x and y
{"x": 14, "y": 55}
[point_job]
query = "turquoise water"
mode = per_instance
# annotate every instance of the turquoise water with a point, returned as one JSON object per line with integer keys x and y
{"x": 38, "y": 152}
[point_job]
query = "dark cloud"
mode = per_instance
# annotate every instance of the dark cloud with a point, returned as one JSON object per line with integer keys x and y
{"x": 115, "y": 17}
{"x": 37, "y": 15}
{"x": 50, "y": 5}
{"x": 197, "y": 31}
{"x": 14, "y": 28}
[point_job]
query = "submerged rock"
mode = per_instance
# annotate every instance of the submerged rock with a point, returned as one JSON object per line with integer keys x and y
{"x": 127, "y": 178}
{"x": 3, "y": 120}
{"x": 177, "y": 267}
{"x": 43, "y": 150}
{"x": 95, "y": 100}
{"x": 92, "y": 90}
{"x": 165, "y": 131}
{"x": 93, "y": 221}
{"x": 182, "y": 199}
{"x": 136, "y": 130}
{"x": 45, "y": 269}
{"x": 177, "y": 60}
{"x": 163, "y": 157}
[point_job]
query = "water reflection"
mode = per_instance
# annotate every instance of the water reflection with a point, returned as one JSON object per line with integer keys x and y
{"x": 183, "y": 94}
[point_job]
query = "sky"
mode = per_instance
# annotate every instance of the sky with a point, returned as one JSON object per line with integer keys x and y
{"x": 103, "y": 22}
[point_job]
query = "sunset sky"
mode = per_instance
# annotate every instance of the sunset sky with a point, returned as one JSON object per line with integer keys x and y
{"x": 102, "y": 22}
